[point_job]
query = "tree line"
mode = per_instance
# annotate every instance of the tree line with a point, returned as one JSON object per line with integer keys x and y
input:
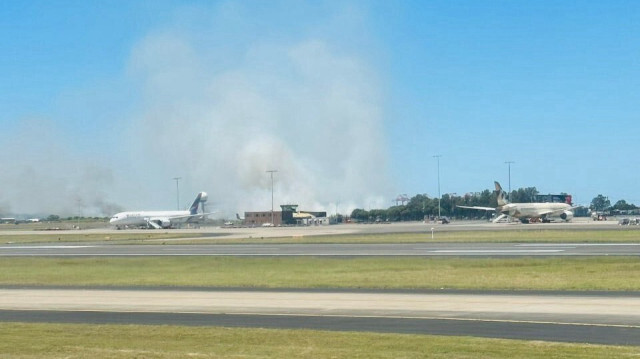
{"x": 602, "y": 204}
{"x": 422, "y": 206}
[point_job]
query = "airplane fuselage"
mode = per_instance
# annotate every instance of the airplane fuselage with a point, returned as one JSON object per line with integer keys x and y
{"x": 559, "y": 211}
{"x": 159, "y": 219}
{"x": 141, "y": 218}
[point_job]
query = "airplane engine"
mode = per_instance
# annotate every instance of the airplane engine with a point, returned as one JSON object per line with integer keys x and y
{"x": 566, "y": 215}
{"x": 165, "y": 223}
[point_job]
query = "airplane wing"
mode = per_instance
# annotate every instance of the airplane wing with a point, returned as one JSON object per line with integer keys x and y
{"x": 476, "y": 207}
{"x": 191, "y": 215}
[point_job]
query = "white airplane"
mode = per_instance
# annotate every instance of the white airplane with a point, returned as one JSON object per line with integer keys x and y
{"x": 546, "y": 212}
{"x": 159, "y": 219}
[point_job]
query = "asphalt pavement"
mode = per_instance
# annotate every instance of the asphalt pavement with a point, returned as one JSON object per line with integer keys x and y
{"x": 332, "y": 250}
{"x": 588, "y": 318}
{"x": 487, "y": 329}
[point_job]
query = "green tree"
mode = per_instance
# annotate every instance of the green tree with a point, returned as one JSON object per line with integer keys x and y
{"x": 378, "y": 215}
{"x": 600, "y": 203}
{"x": 394, "y": 213}
{"x": 360, "y": 214}
{"x": 622, "y": 205}
{"x": 488, "y": 199}
{"x": 523, "y": 195}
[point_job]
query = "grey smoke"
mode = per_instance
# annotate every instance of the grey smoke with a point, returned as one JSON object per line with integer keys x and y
{"x": 5, "y": 208}
{"x": 219, "y": 112}
{"x": 304, "y": 109}
{"x": 42, "y": 176}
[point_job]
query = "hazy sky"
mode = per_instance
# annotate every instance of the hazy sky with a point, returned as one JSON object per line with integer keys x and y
{"x": 103, "y": 103}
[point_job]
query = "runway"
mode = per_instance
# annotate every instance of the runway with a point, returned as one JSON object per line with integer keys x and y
{"x": 333, "y": 250}
{"x": 578, "y": 224}
{"x": 591, "y": 318}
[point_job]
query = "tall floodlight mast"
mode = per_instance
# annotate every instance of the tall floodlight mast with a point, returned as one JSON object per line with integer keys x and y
{"x": 437, "y": 157}
{"x": 271, "y": 172}
{"x": 509, "y": 163}
{"x": 177, "y": 191}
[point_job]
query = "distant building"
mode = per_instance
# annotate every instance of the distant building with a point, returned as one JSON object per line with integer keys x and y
{"x": 262, "y": 218}
{"x": 289, "y": 215}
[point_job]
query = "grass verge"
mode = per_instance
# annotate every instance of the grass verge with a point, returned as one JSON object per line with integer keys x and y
{"x": 18, "y": 340}
{"x": 575, "y": 273}
{"x": 80, "y": 237}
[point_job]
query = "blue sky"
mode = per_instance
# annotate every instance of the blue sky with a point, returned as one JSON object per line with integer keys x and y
{"x": 351, "y": 98}
{"x": 552, "y": 86}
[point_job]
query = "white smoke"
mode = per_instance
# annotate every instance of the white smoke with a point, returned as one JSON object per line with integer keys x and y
{"x": 41, "y": 176}
{"x": 304, "y": 109}
{"x": 219, "y": 110}
{"x": 5, "y": 209}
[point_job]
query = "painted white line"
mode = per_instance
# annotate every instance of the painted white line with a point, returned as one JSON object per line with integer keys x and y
{"x": 236, "y": 247}
{"x": 497, "y": 251}
{"x": 576, "y": 244}
{"x": 46, "y": 247}
{"x": 432, "y": 253}
{"x": 538, "y": 245}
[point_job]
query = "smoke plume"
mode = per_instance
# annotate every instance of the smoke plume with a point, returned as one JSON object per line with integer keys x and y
{"x": 218, "y": 103}
{"x": 303, "y": 108}
{"x": 41, "y": 176}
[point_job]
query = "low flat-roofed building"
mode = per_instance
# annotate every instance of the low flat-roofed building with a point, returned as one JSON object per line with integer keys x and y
{"x": 262, "y": 218}
{"x": 288, "y": 216}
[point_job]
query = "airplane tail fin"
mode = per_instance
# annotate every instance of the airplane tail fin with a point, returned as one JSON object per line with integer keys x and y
{"x": 502, "y": 196}
{"x": 201, "y": 198}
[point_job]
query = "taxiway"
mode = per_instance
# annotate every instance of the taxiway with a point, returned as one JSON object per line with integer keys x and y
{"x": 593, "y": 318}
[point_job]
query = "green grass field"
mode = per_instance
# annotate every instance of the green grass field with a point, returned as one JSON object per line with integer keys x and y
{"x": 20, "y": 340}
{"x": 114, "y": 238}
{"x": 575, "y": 273}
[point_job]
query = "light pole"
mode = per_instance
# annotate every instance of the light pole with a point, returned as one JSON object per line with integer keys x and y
{"x": 509, "y": 163}
{"x": 452, "y": 203}
{"x": 437, "y": 157}
{"x": 271, "y": 173}
{"x": 177, "y": 191}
